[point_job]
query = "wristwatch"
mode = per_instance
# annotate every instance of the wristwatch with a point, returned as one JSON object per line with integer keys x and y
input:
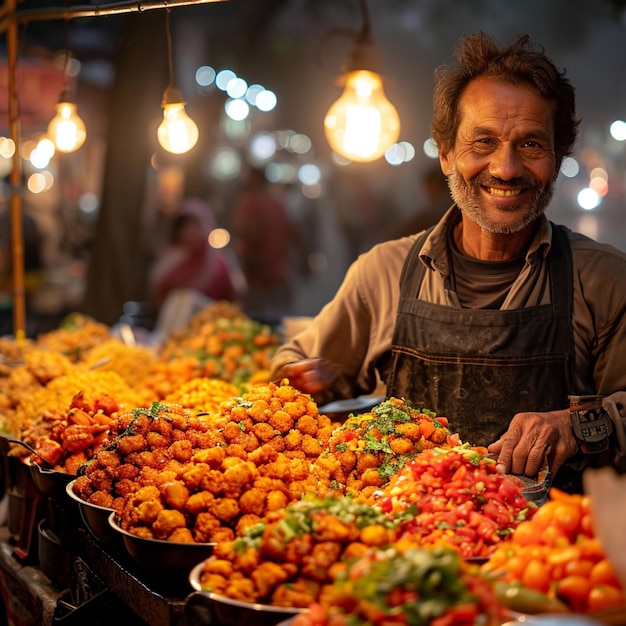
{"x": 591, "y": 423}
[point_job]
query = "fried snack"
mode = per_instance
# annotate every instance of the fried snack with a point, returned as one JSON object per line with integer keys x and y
{"x": 152, "y": 448}
{"x": 23, "y": 380}
{"x": 222, "y": 474}
{"x": 220, "y": 343}
{"x": 76, "y": 334}
{"x": 168, "y": 376}
{"x": 275, "y": 417}
{"x": 134, "y": 364}
{"x": 76, "y": 435}
{"x": 236, "y": 349}
{"x": 291, "y": 555}
{"x": 202, "y": 395}
{"x": 12, "y": 351}
{"x": 36, "y": 406}
{"x": 368, "y": 449}
{"x": 220, "y": 309}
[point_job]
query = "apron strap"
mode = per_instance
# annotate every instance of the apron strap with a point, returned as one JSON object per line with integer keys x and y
{"x": 562, "y": 288}
{"x": 413, "y": 269}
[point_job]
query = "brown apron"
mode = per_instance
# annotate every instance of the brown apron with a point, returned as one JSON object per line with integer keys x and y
{"x": 481, "y": 367}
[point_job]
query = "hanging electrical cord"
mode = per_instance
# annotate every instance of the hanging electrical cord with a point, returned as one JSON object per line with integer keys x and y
{"x": 177, "y": 133}
{"x": 66, "y": 129}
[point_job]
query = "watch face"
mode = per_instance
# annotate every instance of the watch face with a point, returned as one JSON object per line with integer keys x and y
{"x": 591, "y": 423}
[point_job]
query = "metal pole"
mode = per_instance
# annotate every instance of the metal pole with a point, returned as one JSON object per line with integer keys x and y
{"x": 115, "y": 8}
{"x": 15, "y": 181}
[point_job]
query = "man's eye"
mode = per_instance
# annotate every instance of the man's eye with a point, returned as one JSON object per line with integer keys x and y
{"x": 484, "y": 143}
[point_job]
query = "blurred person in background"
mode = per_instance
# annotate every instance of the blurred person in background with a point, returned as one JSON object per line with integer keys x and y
{"x": 264, "y": 236}
{"x": 189, "y": 261}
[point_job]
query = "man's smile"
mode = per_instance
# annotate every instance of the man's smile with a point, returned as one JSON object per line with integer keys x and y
{"x": 504, "y": 193}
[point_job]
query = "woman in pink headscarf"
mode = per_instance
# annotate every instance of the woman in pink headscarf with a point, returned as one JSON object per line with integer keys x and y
{"x": 189, "y": 262}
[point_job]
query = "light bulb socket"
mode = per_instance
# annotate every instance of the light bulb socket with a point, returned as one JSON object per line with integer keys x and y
{"x": 66, "y": 96}
{"x": 171, "y": 95}
{"x": 363, "y": 55}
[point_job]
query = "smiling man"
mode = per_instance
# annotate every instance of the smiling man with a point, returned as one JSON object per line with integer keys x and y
{"x": 496, "y": 317}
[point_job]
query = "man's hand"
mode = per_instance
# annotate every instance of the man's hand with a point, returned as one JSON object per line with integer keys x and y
{"x": 310, "y": 376}
{"x": 531, "y": 438}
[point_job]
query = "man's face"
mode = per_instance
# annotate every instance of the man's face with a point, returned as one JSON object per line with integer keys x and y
{"x": 502, "y": 167}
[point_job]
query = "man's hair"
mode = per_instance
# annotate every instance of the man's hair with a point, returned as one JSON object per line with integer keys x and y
{"x": 519, "y": 63}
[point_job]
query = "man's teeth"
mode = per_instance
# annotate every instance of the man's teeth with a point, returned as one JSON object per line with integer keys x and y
{"x": 504, "y": 192}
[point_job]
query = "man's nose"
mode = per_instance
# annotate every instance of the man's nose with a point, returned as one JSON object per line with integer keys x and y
{"x": 506, "y": 163}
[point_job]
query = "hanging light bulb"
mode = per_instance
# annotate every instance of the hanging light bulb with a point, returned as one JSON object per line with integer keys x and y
{"x": 362, "y": 124}
{"x": 177, "y": 133}
{"x": 66, "y": 129}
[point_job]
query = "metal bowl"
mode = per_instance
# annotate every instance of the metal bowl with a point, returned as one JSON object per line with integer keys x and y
{"x": 340, "y": 410}
{"x": 225, "y": 610}
{"x": 158, "y": 555}
{"x": 556, "y": 619}
{"x": 49, "y": 482}
{"x": 55, "y": 559}
{"x": 95, "y": 518}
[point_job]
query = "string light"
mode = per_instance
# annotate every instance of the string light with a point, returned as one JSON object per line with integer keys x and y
{"x": 362, "y": 124}
{"x": 177, "y": 133}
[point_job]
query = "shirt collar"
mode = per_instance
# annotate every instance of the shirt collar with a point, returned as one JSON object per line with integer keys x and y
{"x": 434, "y": 252}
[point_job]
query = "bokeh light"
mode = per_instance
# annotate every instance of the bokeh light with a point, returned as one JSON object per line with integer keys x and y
{"x": 237, "y": 88}
{"x": 266, "y": 100}
{"x": 224, "y": 77}
{"x": 252, "y": 92}
{"x": 88, "y": 203}
{"x": 284, "y": 173}
{"x": 263, "y": 146}
{"x": 225, "y": 165}
{"x": 570, "y": 167}
{"x": 430, "y": 148}
{"x": 399, "y": 153}
{"x": 42, "y": 153}
{"x": 599, "y": 185}
{"x": 7, "y": 147}
{"x": 205, "y": 76}
{"x": 618, "y": 130}
{"x": 299, "y": 143}
{"x": 309, "y": 174}
{"x": 588, "y": 199}
{"x": 219, "y": 238}
{"x": 312, "y": 192}
{"x": 39, "y": 182}
{"x": 237, "y": 109}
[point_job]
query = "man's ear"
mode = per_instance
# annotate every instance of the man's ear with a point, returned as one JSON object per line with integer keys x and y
{"x": 445, "y": 160}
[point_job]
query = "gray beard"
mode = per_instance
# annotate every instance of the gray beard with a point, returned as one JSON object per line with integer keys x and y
{"x": 466, "y": 197}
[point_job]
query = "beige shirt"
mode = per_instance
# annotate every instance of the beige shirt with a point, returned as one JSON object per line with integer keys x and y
{"x": 355, "y": 328}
